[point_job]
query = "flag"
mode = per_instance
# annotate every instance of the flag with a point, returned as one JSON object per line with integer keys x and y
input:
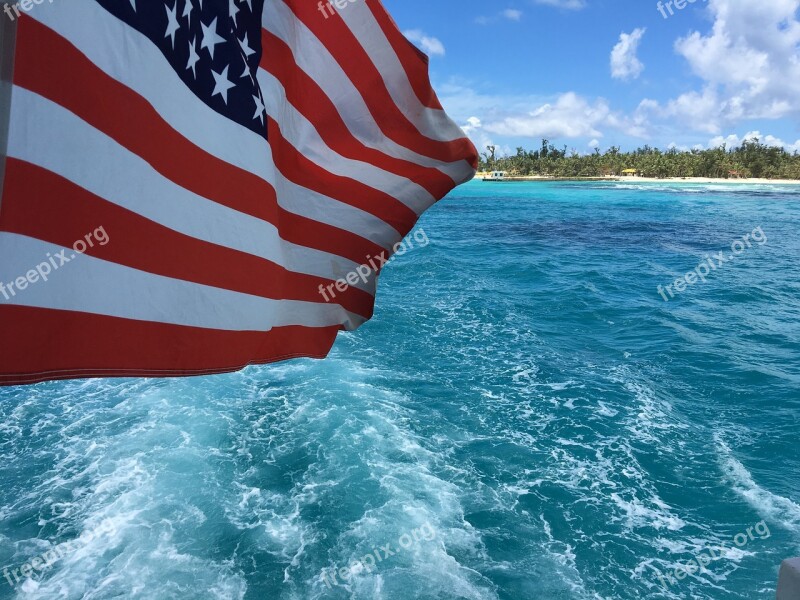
{"x": 193, "y": 186}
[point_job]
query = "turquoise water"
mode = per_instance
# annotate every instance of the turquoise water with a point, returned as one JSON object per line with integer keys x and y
{"x": 525, "y": 418}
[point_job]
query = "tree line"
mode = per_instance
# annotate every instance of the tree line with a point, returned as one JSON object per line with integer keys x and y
{"x": 751, "y": 159}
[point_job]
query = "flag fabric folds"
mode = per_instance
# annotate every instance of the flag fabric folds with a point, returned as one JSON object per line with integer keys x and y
{"x": 184, "y": 178}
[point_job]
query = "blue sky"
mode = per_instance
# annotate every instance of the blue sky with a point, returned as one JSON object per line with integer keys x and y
{"x": 613, "y": 72}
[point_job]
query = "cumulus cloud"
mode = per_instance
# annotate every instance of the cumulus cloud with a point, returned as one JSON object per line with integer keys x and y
{"x": 624, "y": 62}
{"x": 481, "y": 139}
{"x": 733, "y": 140}
{"x": 570, "y": 116}
{"x": 429, "y": 45}
{"x": 749, "y": 63}
{"x": 692, "y": 110}
{"x": 565, "y": 116}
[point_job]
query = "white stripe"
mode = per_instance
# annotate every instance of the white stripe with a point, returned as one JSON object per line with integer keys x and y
{"x": 431, "y": 122}
{"x": 138, "y": 64}
{"x": 50, "y": 136}
{"x": 302, "y": 134}
{"x": 316, "y": 61}
{"x": 90, "y": 285}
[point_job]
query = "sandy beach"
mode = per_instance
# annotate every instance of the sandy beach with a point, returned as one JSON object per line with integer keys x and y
{"x": 695, "y": 180}
{"x": 706, "y": 180}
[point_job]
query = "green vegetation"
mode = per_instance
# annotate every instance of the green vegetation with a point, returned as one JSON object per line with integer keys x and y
{"x": 751, "y": 159}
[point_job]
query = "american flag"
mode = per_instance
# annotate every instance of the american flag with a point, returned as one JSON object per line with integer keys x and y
{"x": 237, "y": 155}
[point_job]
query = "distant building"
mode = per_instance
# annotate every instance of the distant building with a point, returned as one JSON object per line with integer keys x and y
{"x": 630, "y": 172}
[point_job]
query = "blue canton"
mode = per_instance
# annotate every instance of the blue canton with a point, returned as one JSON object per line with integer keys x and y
{"x": 213, "y": 45}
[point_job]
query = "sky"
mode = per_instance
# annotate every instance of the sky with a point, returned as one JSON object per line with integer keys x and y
{"x": 602, "y": 73}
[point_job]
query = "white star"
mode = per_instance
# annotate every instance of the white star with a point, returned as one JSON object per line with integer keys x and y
{"x": 193, "y": 57}
{"x": 233, "y": 9}
{"x": 187, "y": 11}
{"x": 259, "y": 109}
{"x": 172, "y": 23}
{"x": 210, "y": 37}
{"x": 221, "y": 84}
{"x": 248, "y": 51}
{"x": 246, "y": 72}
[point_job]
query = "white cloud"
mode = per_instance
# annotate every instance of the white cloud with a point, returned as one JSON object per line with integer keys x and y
{"x": 474, "y": 122}
{"x": 749, "y": 63}
{"x": 566, "y": 116}
{"x": 674, "y": 146}
{"x": 568, "y": 4}
{"x": 570, "y": 116}
{"x": 733, "y": 140}
{"x": 624, "y": 62}
{"x": 490, "y": 119}
{"x": 429, "y": 45}
{"x": 481, "y": 139}
{"x": 636, "y": 124}
{"x": 511, "y": 14}
{"x": 692, "y": 110}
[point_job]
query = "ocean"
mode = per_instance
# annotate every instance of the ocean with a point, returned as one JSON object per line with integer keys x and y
{"x": 528, "y": 416}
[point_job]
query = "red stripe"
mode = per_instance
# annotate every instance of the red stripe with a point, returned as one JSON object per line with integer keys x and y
{"x": 302, "y": 171}
{"x": 100, "y": 346}
{"x": 358, "y": 66}
{"x": 310, "y": 100}
{"x": 414, "y": 61}
{"x": 49, "y": 65}
{"x": 45, "y": 206}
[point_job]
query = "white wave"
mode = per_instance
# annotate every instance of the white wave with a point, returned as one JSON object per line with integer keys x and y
{"x": 769, "y": 505}
{"x": 638, "y": 515}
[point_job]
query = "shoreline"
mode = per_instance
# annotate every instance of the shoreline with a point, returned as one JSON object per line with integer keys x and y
{"x": 750, "y": 180}
{"x": 645, "y": 180}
